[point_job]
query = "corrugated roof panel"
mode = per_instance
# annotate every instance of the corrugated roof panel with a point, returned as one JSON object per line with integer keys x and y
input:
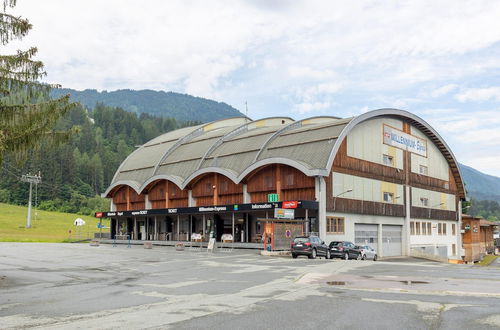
{"x": 181, "y": 169}
{"x": 190, "y": 151}
{"x": 147, "y": 156}
{"x": 235, "y": 162}
{"x": 238, "y": 145}
{"x": 306, "y": 136}
{"x": 173, "y": 135}
{"x": 139, "y": 175}
{"x": 314, "y": 154}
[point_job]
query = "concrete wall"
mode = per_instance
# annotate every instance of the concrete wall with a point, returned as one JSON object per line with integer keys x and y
{"x": 430, "y": 242}
{"x": 435, "y": 199}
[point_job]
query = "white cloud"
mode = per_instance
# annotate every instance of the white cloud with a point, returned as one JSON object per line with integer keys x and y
{"x": 479, "y": 94}
{"x": 444, "y": 90}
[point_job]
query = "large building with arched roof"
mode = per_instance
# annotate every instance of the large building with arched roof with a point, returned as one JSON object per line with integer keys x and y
{"x": 384, "y": 178}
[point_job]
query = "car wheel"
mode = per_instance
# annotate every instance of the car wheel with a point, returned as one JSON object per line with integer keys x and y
{"x": 375, "y": 258}
{"x": 363, "y": 257}
{"x": 346, "y": 256}
{"x": 313, "y": 254}
{"x": 294, "y": 256}
{"x": 328, "y": 256}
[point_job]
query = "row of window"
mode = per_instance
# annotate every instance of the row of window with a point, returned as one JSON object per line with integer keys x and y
{"x": 389, "y": 161}
{"x": 425, "y": 228}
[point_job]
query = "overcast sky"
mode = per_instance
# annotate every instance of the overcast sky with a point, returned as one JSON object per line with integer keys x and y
{"x": 437, "y": 59}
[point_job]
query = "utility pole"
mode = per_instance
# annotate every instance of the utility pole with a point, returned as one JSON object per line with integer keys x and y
{"x": 36, "y": 179}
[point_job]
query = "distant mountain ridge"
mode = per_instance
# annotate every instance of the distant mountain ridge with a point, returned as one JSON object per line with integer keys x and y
{"x": 479, "y": 185}
{"x": 182, "y": 107}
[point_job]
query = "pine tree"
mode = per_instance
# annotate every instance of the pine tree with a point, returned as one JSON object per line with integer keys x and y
{"x": 27, "y": 114}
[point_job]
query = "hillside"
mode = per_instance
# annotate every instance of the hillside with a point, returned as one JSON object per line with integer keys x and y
{"x": 479, "y": 185}
{"x": 48, "y": 226}
{"x": 182, "y": 107}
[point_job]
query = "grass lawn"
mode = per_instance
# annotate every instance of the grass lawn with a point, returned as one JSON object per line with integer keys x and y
{"x": 48, "y": 226}
{"x": 487, "y": 260}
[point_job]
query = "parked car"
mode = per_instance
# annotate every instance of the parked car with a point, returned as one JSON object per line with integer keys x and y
{"x": 345, "y": 250}
{"x": 367, "y": 252}
{"x": 310, "y": 246}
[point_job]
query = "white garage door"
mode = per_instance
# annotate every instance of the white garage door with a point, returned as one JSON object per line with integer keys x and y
{"x": 391, "y": 240}
{"x": 366, "y": 234}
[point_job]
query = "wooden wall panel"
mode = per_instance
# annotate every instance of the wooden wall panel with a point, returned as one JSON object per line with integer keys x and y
{"x": 262, "y": 180}
{"x": 159, "y": 204}
{"x": 231, "y": 199}
{"x": 175, "y": 192}
{"x": 429, "y": 183}
{"x": 227, "y": 187}
{"x": 292, "y": 178}
{"x": 179, "y": 202}
{"x": 259, "y": 197}
{"x": 435, "y": 214}
{"x": 365, "y": 207}
{"x": 120, "y": 195}
{"x": 204, "y": 201}
{"x": 121, "y": 207}
{"x": 354, "y": 166}
{"x": 158, "y": 191}
{"x": 204, "y": 186}
{"x": 306, "y": 194}
{"x": 137, "y": 206}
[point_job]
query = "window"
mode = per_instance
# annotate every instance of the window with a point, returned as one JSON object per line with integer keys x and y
{"x": 453, "y": 249}
{"x": 424, "y": 201}
{"x": 423, "y": 170}
{"x": 417, "y": 228}
{"x": 440, "y": 229}
{"x": 334, "y": 225}
{"x": 424, "y": 228}
{"x": 412, "y": 228}
{"x": 290, "y": 179}
{"x": 388, "y": 197}
{"x": 444, "y": 228}
{"x": 453, "y": 229}
{"x": 388, "y": 160}
{"x": 429, "y": 228}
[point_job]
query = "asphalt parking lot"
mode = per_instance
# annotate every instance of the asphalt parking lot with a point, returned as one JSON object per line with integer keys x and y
{"x": 68, "y": 286}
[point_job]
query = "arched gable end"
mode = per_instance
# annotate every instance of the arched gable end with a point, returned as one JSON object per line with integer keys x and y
{"x": 417, "y": 122}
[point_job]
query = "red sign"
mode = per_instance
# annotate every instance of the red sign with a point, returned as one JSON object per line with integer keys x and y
{"x": 290, "y": 205}
{"x": 98, "y": 214}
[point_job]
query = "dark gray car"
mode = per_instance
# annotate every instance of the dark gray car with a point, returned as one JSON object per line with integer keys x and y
{"x": 310, "y": 246}
{"x": 344, "y": 249}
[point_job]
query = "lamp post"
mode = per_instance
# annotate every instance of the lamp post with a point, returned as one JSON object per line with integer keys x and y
{"x": 430, "y": 208}
{"x": 335, "y": 198}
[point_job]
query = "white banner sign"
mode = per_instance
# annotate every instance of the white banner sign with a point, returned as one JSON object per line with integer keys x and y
{"x": 284, "y": 213}
{"x": 402, "y": 140}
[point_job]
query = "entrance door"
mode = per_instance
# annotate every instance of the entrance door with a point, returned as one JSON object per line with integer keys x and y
{"x": 391, "y": 240}
{"x": 366, "y": 234}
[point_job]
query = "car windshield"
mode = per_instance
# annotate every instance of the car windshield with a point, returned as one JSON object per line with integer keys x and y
{"x": 335, "y": 243}
{"x": 301, "y": 239}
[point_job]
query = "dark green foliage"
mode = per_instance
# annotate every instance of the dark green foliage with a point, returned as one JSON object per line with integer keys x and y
{"x": 27, "y": 115}
{"x": 75, "y": 174}
{"x": 182, "y": 107}
{"x": 489, "y": 210}
{"x": 479, "y": 185}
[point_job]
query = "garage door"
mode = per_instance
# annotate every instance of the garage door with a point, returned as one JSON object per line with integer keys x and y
{"x": 365, "y": 234}
{"x": 391, "y": 240}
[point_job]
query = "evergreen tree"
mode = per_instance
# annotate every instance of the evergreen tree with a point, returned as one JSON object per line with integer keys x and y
{"x": 27, "y": 114}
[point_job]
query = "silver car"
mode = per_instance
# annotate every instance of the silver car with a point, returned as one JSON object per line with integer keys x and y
{"x": 367, "y": 252}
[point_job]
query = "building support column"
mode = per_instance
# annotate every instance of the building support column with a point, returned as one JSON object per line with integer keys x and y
{"x": 147, "y": 230}
{"x": 135, "y": 228}
{"x": 204, "y": 226}
{"x": 407, "y": 249}
{"x": 232, "y": 228}
{"x": 155, "y": 235}
{"x": 380, "y": 247}
{"x": 308, "y": 225}
{"x": 321, "y": 197}
{"x": 246, "y": 195}
{"x": 190, "y": 227}
{"x": 147, "y": 202}
{"x": 460, "y": 249}
{"x": 178, "y": 229}
{"x": 247, "y": 227}
{"x": 116, "y": 228}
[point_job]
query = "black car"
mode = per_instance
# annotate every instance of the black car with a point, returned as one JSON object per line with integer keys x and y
{"x": 311, "y": 246}
{"x": 345, "y": 250}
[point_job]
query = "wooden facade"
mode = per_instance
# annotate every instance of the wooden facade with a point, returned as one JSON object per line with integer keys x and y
{"x": 362, "y": 168}
{"x": 216, "y": 189}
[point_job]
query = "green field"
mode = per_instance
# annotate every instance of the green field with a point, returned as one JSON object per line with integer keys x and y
{"x": 47, "y": 227}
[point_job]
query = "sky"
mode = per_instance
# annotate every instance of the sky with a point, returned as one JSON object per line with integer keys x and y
{"x": 437, "y": 59}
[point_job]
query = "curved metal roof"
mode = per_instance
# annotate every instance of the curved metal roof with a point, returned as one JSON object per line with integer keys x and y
{"x": 236, "y": 146}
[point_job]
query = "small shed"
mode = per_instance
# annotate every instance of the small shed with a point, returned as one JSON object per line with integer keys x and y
{"x": 477, "y": 237}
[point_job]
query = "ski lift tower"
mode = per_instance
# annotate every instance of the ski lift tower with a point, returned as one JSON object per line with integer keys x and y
{"x": 36, "y": 179}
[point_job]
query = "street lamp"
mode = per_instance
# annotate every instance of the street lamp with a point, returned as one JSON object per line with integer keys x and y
{"x": 335, "y": 197}
{"x": 430, "y": 208}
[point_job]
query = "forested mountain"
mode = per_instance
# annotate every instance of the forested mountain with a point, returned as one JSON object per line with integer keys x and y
{"x": 182, "y": 107}
{"x": 74, "y": 174}
{"x": 480, "y": 185}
